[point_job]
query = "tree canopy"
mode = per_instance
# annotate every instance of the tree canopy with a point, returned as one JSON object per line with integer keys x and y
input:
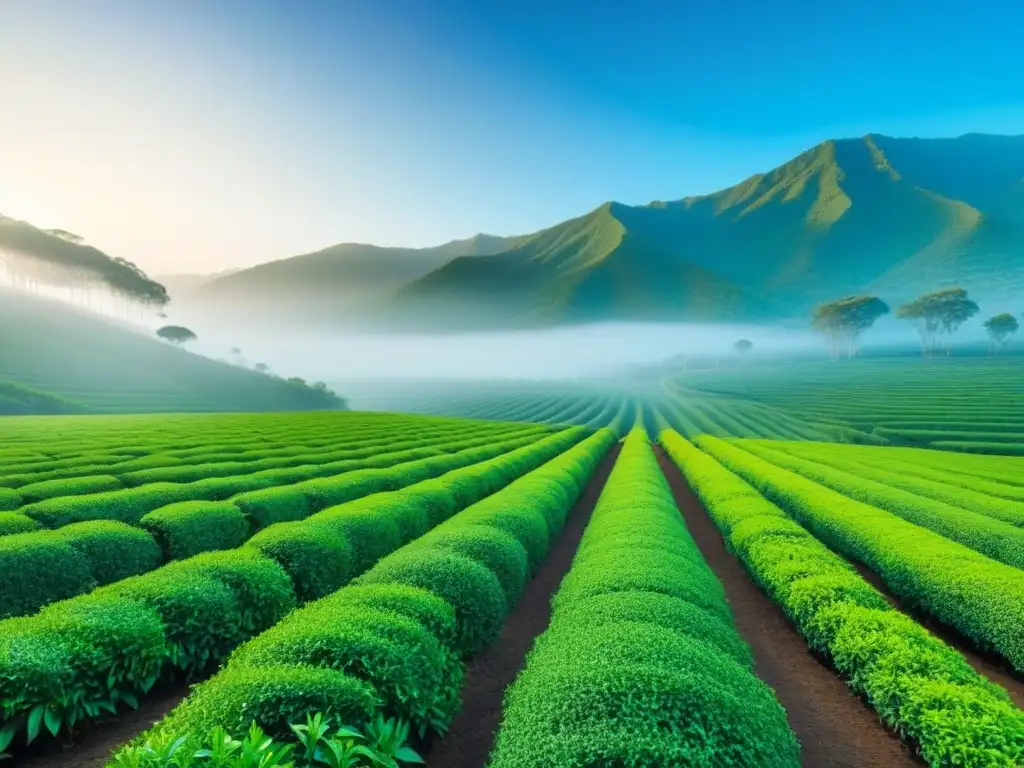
{"x": 176, "y": 334}
{"x": 743, "y": 346}
{"x": 845, "y": 319}
{"x": 1000, "y": 328}
{"x": 940, "y": 312}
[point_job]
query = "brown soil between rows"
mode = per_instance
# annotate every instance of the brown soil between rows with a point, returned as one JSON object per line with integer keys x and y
{"x": 471, "y": 737}
{"x": 989, "y": 665}
{"x": 93, "y": 747}
{"x": 835, "y": 728}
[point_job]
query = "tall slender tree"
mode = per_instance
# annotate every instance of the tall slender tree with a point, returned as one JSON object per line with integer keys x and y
{"x": 845, "y": 320}
{"x": 1000, "y": 328}
{"x": 937, "y": 313}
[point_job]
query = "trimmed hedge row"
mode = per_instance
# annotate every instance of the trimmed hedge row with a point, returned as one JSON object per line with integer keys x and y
{"x": 364, "y": 450}
{"x": 980, "y": 597}
{"x": 43, "y": 566}
{"x": 1002, "y": 481}
{"x": 129, "y": 505}
{"x": 641, "y": 664}
{"x": 323, "y": 552}
{"x": 957, "y": 495}
{"x": 976, "y": 446}
{"x": 395, "y": 639}
{"x": 177, "y": 465}
{"x": 994, "y": 538}
{"x": 80, "y": 656}
{"x": 920, "y": 687}
{"x": 183, "y": 529}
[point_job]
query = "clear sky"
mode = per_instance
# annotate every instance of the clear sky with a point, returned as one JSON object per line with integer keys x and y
{"x": 198, "y": 135}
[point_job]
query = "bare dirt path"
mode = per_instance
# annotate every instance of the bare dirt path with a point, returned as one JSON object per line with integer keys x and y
{"x": 469, "y": 742}
{"x": 835, "y": 728}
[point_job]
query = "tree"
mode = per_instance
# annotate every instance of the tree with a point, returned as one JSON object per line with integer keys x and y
{"x": 1000, "y": 328}
{"x": 261, "y": 368}
{"x": 176, "y": 334}
{"x": 936, "y": 313}
{"x": 846, "y": 319}
{"x": 743, "y": 346}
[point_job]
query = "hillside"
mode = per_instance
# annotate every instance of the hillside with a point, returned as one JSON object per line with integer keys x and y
{"x": 894, "y": 216}
{"x": 56, "y": 358}
{"x": 36, "y": 257}
{"x": 331, "y": 283}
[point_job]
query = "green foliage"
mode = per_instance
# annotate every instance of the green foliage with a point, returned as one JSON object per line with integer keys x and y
{"x": 317, "y": 742}
{"x": 77, "y": 659}
{"x": 982, "y": 598}
{"x": 640, "y": 667}
{"x": 318, "y": 560}
{"x": 1000, "y": 328}
{"x": 9, "y": 499}
{"x": 847, "y": 318}
{"x": 273, "y": 696}
{"x": 13, "y": 522}
{"x": 127, "y": 505}
{"x": 190, "y": 527}
{"x": 72, "y": 486}
{"x": 919, "y": 686}
{"x": 113, "y": 550}
{"x": 920, "y": 501}
{"x": 402, "y": 627}
{"x": 38, "y": 568}
{"x": 413, "y": 674}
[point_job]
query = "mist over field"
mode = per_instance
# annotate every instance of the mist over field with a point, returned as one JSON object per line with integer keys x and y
{"x": 582, "y": 351}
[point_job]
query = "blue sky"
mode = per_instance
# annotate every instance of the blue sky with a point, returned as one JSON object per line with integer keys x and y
{"x": 199, "y": 135}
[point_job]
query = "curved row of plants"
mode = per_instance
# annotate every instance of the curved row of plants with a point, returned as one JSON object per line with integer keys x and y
{"x": 394, "y": 642}
{"x": 641, "y": 664}
{"x": 38, "y": 568}
{"x": 83, "y": 656}
{"x": 921, "y": 688}
{"x": 991, "y": 537}
{"x": 980, "y": 597}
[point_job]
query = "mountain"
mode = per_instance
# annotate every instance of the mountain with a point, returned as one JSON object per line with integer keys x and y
{"x": 55, "y": 358}
{"x": 334, "y": 282}
{"x": 894, "y": 216}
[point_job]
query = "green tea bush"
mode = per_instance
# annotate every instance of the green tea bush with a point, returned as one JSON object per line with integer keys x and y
{"x": 127, "y": 505}
{"x": 9, "y": 499}
{"x": 36, "y": 569}
{"x": 641, "y": 664}
{"x": 500, "y": 552}
{"x": 187, "y": 528}
{"x": 982, "y": 598}
{"x": 469, "y": 587}
{"x": 892, "y": 488}
{"x": 113, "y": 550}
{"x": 14, "y": 522}
{"x": 919, "y": 686}
{"x": 426, "y": 608}
{"x": 404, "y": 624}
{"x": 274, "y": 697}
{"x": 76, "y": 659}
{"x": 406, "y": 665}
{"x": 318, "y": 560}
{"x": 74, "y": 486}
{"x": 272, "y": 505}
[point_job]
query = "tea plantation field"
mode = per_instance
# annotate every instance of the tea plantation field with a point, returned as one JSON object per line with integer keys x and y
{"x": 643, "y": 588}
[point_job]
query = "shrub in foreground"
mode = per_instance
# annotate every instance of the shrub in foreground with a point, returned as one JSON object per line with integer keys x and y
{"x": 641, "y": 664}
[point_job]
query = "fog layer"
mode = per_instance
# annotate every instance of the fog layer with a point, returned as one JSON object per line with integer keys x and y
{"x": 583, "y": 351}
